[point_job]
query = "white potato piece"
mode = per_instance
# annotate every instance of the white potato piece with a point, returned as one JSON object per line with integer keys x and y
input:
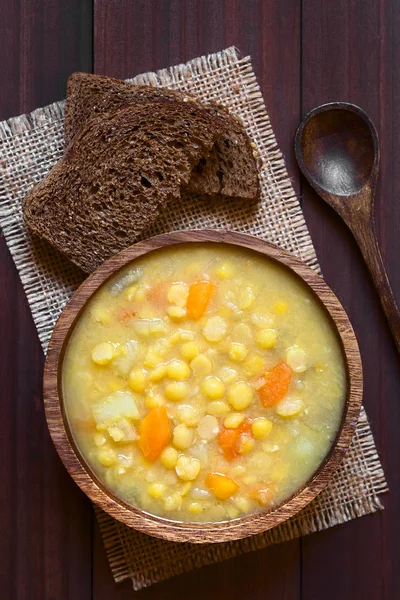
{"x": 116, "y": 406}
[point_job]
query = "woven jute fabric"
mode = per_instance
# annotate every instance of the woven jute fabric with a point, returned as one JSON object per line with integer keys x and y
{"x": 29, "y": 147}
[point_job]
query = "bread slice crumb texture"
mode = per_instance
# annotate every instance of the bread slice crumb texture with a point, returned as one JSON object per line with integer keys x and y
{"x": 116, "y": 175}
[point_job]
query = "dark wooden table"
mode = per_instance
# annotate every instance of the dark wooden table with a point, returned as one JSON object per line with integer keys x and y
{"x": 305, "y": 52}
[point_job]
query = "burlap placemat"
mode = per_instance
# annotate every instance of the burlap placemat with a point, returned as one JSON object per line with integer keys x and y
{"x": 31, "y": 144}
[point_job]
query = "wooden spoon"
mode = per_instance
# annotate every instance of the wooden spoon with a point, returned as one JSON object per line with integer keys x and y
{"x": 337, "y": 150}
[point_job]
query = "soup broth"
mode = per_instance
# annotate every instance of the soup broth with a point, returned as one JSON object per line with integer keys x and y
{"x": 204, "y": 382}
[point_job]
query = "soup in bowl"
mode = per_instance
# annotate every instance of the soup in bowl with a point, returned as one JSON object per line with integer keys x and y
{"x": 203, "y": 385}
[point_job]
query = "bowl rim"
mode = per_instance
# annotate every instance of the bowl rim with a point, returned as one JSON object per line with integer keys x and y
{"x": 154, "y": 525}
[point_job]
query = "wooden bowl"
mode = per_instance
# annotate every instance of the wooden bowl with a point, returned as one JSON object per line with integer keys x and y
{"x": 158, "y": 526}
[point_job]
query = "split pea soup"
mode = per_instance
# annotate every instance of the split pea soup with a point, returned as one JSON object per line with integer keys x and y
{"x": 204, "y": 382}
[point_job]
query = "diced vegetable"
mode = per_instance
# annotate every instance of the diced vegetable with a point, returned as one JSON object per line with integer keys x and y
{"x": 229, "y": 440}
{"x": 115, "y": 407}
{"x": 198, "y": 298}
{"x": 154, "y": 433}
{"x": 222, "y": 486}
{"x": 275, "y": 384}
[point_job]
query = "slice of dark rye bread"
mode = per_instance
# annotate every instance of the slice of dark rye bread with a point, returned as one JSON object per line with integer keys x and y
{"x": 229, "y": 170}
{"x": 116, "y": 175}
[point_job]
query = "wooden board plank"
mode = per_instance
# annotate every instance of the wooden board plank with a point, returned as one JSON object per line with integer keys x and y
{"x": 45, "y": 521}
{"x": 131, "y": 37}
{"x": 350, "y": 53}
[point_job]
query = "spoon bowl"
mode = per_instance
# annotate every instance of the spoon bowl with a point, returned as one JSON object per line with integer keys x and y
{"x": 337, "y": 150}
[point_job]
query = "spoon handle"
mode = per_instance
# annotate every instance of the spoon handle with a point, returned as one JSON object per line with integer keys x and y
{"x": 364, "y": 233}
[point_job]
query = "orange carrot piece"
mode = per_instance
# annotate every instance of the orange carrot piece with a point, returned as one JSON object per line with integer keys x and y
{"x": 276, "y": 384}
{"x": 222, "y": 486}
{"x": 154, "y": 433}
{"x": 229, "y": 439}
{"x": 261, "y": 495}
{"x": 198, "y": 298}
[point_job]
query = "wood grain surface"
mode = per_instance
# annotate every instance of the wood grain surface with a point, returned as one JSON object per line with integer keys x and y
{"x": 305, "y": 52}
